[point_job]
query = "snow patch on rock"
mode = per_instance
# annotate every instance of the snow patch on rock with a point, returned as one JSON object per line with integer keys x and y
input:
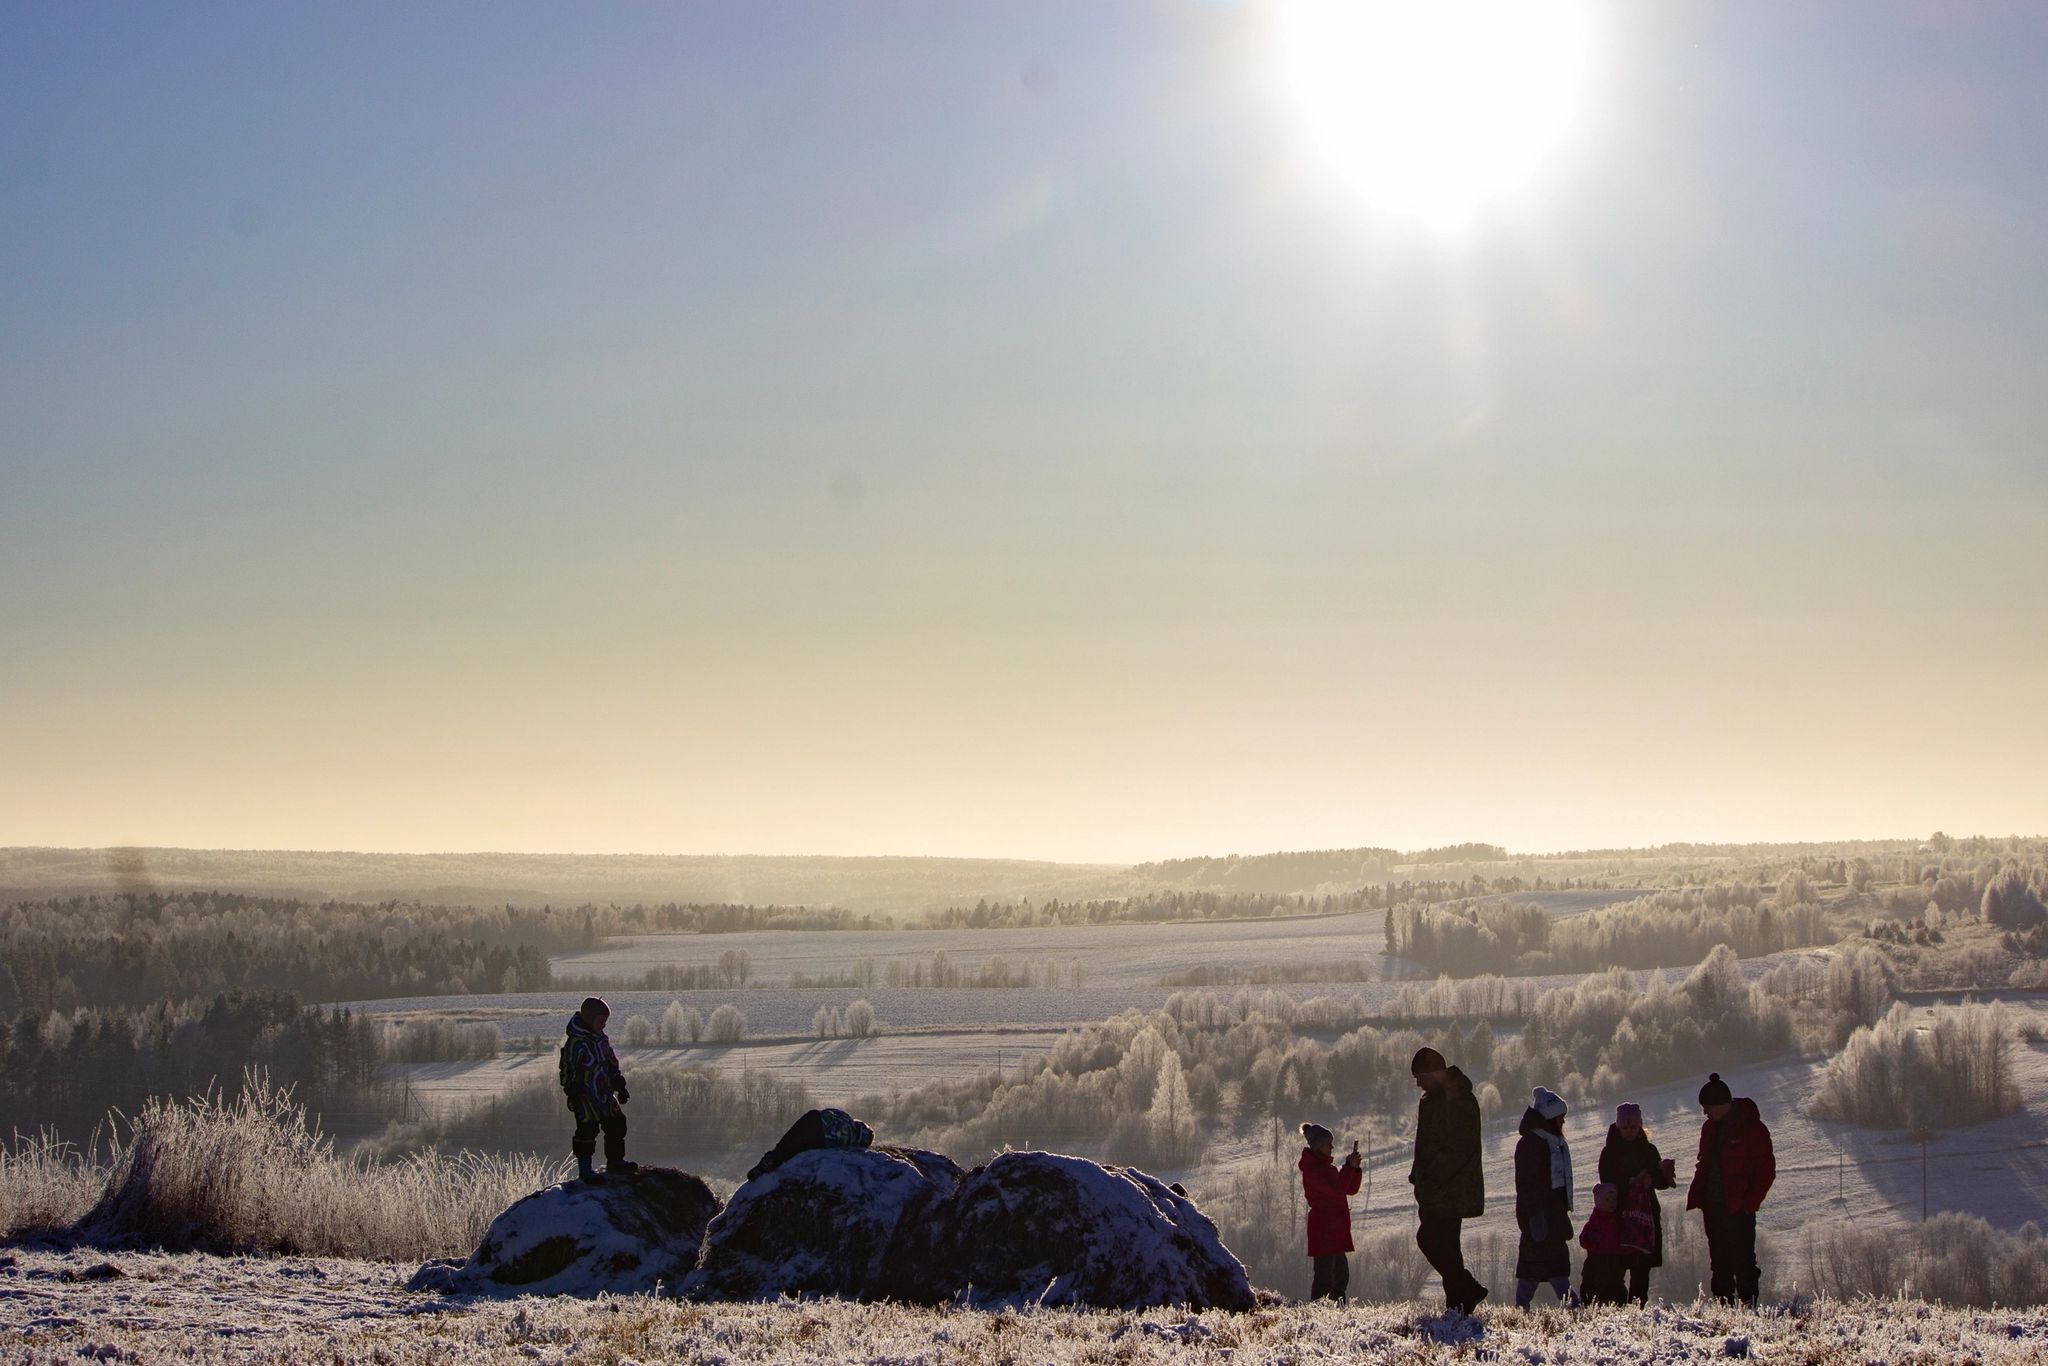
{"x": 622, "y": 1237}
{"x": 1042, "y": 1228}
{"x": 853, "y": 1222}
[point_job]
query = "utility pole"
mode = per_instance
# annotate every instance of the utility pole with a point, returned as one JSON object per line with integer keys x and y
{"x": 1922, "y": 1135}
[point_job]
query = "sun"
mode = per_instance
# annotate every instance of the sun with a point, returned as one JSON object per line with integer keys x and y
{"x": 1435, "y": 111}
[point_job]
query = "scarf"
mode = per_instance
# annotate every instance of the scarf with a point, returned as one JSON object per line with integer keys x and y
{"x": 1560, "y": 1163}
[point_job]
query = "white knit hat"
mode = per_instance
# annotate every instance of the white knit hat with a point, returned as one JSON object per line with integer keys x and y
{"x": 1548, "y": 1103}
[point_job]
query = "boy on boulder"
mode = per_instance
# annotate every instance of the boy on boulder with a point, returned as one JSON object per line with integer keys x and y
{"x": 595, "y": 1089}
{"x": 1328, "y": 1188}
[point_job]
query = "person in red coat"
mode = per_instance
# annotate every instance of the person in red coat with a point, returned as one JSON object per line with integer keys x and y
{"x": 1733, "y": 1174}
{"x": 1328, "y": 1187}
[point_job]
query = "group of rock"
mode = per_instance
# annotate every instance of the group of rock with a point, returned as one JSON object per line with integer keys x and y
{"x": 868, "y": 1223}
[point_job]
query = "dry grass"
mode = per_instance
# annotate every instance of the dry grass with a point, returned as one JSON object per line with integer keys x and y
{"x": 253, "y": 1175}
{"x": 45, "y": 1185}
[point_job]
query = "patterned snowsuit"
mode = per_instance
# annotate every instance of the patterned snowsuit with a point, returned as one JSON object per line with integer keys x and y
{"x": 594, "y": 1087}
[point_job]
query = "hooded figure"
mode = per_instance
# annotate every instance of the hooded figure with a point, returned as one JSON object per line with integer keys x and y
{"x": 1734, "y": 1172}
{"x": 1543, "y": 1200}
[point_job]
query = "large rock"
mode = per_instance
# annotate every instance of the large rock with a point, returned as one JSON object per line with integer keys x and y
{"x": 1045, "y": 1229}
{"x": 860, "y": 1223}
{"x": 620, "y": 1237}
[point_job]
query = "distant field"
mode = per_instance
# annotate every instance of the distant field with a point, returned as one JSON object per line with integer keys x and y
{"x": 1115, "y": 955}
{"x": 1119, "y": 955}
{"x": 837, "y": 1071}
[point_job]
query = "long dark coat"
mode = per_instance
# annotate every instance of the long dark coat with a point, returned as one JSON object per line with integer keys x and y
{"x": 1541, "y": 1210}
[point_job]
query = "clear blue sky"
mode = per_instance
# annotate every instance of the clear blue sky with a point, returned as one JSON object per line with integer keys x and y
{"x": 928, "y": 428}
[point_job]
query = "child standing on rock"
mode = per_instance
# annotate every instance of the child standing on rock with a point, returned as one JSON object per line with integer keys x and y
{"x": 595, "y": 1089}
{"x": 1328, "y": 1189}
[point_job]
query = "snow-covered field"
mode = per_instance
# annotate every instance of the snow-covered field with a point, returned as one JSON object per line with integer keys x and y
{"x": 837, "y": 1071}
{"x": 146, "y": 1309}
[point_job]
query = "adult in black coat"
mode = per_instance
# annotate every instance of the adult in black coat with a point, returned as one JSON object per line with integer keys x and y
{"x": 1449, "y": 1180}
{"x": 1543, "y": 1200}
{"x": 1630, "y": 1154}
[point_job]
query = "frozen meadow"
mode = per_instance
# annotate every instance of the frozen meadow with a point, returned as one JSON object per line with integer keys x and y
{"x": 190, "y": 1308}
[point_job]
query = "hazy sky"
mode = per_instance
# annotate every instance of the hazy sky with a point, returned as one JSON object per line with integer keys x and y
{"x": 993, "y": 429}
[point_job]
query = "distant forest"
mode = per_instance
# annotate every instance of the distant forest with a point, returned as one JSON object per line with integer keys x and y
{"x": 131, "y": 951}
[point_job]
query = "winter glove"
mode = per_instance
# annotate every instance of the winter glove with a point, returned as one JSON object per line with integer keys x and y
{"x": 624, "y": 1094}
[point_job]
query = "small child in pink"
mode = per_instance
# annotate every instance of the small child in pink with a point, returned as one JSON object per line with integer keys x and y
{"x": 1600, "y": 1279}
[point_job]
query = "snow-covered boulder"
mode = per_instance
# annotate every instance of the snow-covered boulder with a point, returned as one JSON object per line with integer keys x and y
{"x": 620, "y": 1237}
{"x": 852, "y": 1222}
{"x": 1047, "y": 1229}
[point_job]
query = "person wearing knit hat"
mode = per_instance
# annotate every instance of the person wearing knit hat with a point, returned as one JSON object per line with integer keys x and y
{"x": 1631, "y": 1162}
{"x": 1543, "y": 1200}
{"x": 1449, "y": 1181}
{"x": 1733, "y": 1173}
{"x": 1328, "y": 1188}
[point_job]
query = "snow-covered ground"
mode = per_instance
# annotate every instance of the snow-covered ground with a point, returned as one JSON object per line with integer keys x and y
{"x": 191, "y": 1308}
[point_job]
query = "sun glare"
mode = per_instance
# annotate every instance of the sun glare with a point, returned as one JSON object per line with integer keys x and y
{"x": 1433, "y": 111}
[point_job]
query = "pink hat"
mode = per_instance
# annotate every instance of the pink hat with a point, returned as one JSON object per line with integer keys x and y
{"x": 1628, "y": 1113}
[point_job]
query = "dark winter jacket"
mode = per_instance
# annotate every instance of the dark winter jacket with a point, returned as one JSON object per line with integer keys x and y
{"x": 1741, "y": 1145}
{"x": 1327, "y": 1188}
{"x": 1622, "y": 1161}
{"x": 590, "y": 1075}
{"x": 1447, "y": 1174}
{"x": 1542, "y": 1210}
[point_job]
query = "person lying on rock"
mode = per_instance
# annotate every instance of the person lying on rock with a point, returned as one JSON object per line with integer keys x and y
{"x": 595, "y": 1089}
{"x": 814, "y": 1129}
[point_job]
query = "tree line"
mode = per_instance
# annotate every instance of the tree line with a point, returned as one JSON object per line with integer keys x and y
{"x": 1671, "y": 928}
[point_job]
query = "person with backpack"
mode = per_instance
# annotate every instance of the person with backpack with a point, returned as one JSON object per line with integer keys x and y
{"x": 1328, "y": 1188}
{"x": 1631, "y": 1162}
{"x": 595, "y": 1089}
{"x": 1734, "y": 1172}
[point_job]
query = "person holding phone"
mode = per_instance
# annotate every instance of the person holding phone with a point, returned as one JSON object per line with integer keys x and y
{"x": 1328, "y": 1189}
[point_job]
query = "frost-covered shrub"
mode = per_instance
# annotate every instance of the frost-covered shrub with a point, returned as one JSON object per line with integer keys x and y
{"x": 860, "y": 1021}
{"x": 45, "y": 1185}
{"x": 1899, "y": 1073}
{"x": 727, "y": 1025}
{"x": 681, "y": 1023}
